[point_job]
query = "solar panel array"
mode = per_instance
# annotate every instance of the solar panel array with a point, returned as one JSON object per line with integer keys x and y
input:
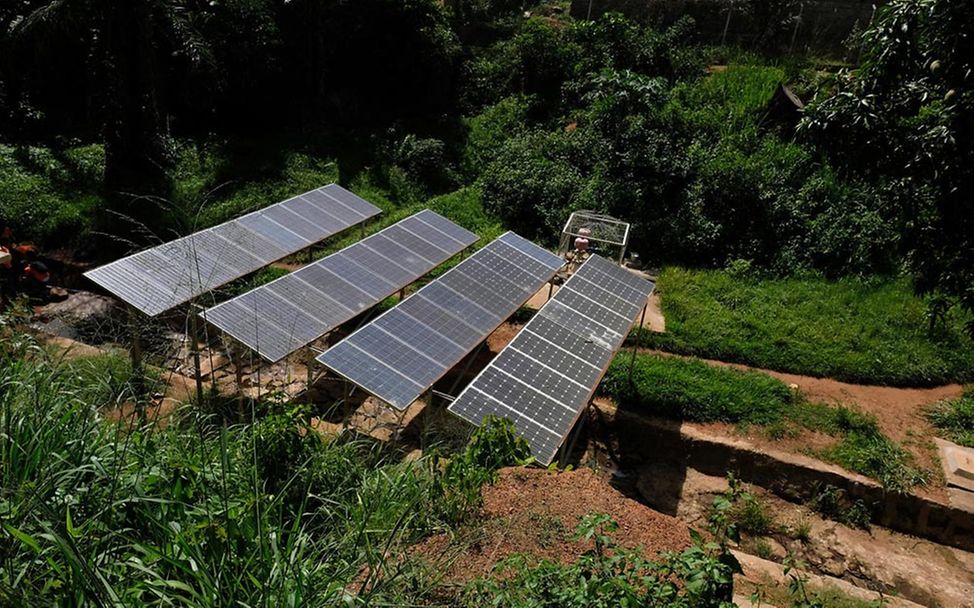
{"x": 173, "y": 273}
{"x": 543, "y": 379}
{"x": 282, "y": 316}
{"x": 401, "y": 354}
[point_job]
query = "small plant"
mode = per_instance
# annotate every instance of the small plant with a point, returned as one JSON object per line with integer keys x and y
{"x": 803, "y": 531}
{"x": 738, "y": 510}
{"x": 835, "y": 504}
{"x": 762, "y": 548}
{"x": 955, "y": 419}
{"x": 608, "y": 576}
{"x": 494, "y": 445}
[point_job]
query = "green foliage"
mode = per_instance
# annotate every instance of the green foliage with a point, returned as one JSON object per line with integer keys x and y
{"x": 871, "y": 332}
{"x": 607, "y": 575}
{"x": 955, "y": 419}
{"x": 532, "y": 184}
{"x": 489, "y": 130}
{"x": 904, "y": 118}
{"x": 688, "y": 389}
{"x": 494, "y": 445}
{"x": 876, "y": 456}
{"x": 728, "y": 101}
{"x": 200, "y": 513}
{"x": 683, "y": 389}
{"x": 835, "y": 503}
{"x": 50, "y": 195}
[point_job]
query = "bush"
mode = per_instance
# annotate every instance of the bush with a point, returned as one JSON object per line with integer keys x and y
{"x": 50, "y": 196}
{"x": 488, "y": 131}
{"x": 494, "y": 445}
{"x": 532, "y": 185}
{"x": 682, "y": 389}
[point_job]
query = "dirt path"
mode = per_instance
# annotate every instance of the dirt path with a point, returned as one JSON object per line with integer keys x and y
{"x": 900, "y": 413}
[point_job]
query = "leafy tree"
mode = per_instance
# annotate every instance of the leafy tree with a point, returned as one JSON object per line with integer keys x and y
{"x": 906, "y": 117}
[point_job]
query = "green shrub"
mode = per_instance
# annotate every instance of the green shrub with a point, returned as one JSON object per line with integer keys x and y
{"x": 488, "y": 131}
{"x": 955, "y": 419}
{"x": 532, "y": 184}
{"x": 494, "y": 445}
{"x": 835, "y": 504}
{"x": 872, "y": 332}
{"x": 50, "y": 196}
{"x": 684, "y": 389}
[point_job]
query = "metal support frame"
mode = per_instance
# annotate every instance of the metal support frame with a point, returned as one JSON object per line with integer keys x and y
{"x": 567, "y": 448}
{"x": 466, "y": 368}
{"x": 195, "y": 346}
{"x": 135, "y": 352}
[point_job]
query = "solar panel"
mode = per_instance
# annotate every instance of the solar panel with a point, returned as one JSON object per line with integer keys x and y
{"x": 173, "y": 273}
{"x": 402, "y": 353}
{"x": 289, "y": 313}
{"x": 543, "y": 379}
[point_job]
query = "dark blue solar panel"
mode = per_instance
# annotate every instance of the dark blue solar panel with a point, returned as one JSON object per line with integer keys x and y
{"x": 424, "y": 337}
{"x": 213, "y": 257}
{"x": 542, "y": 380}
{"x": 335, "y": 289}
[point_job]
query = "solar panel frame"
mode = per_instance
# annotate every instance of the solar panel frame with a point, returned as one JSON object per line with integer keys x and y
{"x": 562, "y": 353}
{"x": 426, "y": 335}
{"x": 346, "y": 284}
{"x": 215, "y": 256}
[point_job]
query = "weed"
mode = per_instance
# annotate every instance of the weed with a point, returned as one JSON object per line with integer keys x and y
{"x": 762, "y": 548}
{"x": 752, "y": 515}
{"x": 802, "y": 531}
{"x": 835, "y": 504}
{"x": 955, "y": 419}
{"x": 548, "y": 529}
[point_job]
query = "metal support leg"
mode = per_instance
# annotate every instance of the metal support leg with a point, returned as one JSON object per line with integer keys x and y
{"x": 569, "y": 448}
{"x": 138, "y": 370}
{"x": 195, "y": 345}
{"x": 238, "y": 371}
{"x": 466, "y": 368}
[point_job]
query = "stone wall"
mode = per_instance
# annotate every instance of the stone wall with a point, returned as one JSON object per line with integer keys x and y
{"x": 815, "y": 26}
{"x": 797, "y": 478}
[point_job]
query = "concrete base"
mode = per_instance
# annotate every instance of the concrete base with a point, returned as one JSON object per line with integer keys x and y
{"x": 958, "y": 463}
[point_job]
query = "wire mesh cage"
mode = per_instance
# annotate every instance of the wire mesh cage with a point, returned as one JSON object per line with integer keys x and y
{"x": 602, "y": 234}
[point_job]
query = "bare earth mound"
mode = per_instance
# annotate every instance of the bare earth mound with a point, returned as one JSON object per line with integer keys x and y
{"x": 536, "y": 512}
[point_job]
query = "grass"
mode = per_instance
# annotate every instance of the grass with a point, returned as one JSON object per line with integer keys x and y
{"x": 687, "y": 389}
{"x": 851, "y": 330}
{"x": 954, "y": 419}
{"x": 690, "y": 389}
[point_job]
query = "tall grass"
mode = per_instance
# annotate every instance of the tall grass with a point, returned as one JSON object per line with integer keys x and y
{"x": 268, "y": 513}
{"x": 872, "y": 332}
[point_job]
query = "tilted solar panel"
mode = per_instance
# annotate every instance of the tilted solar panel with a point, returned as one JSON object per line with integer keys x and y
{"x": 543, "y": 379}
{"x": 289, "y": 313}
{"x": 174, "y": 273}
{"x": 401, "y": 354}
